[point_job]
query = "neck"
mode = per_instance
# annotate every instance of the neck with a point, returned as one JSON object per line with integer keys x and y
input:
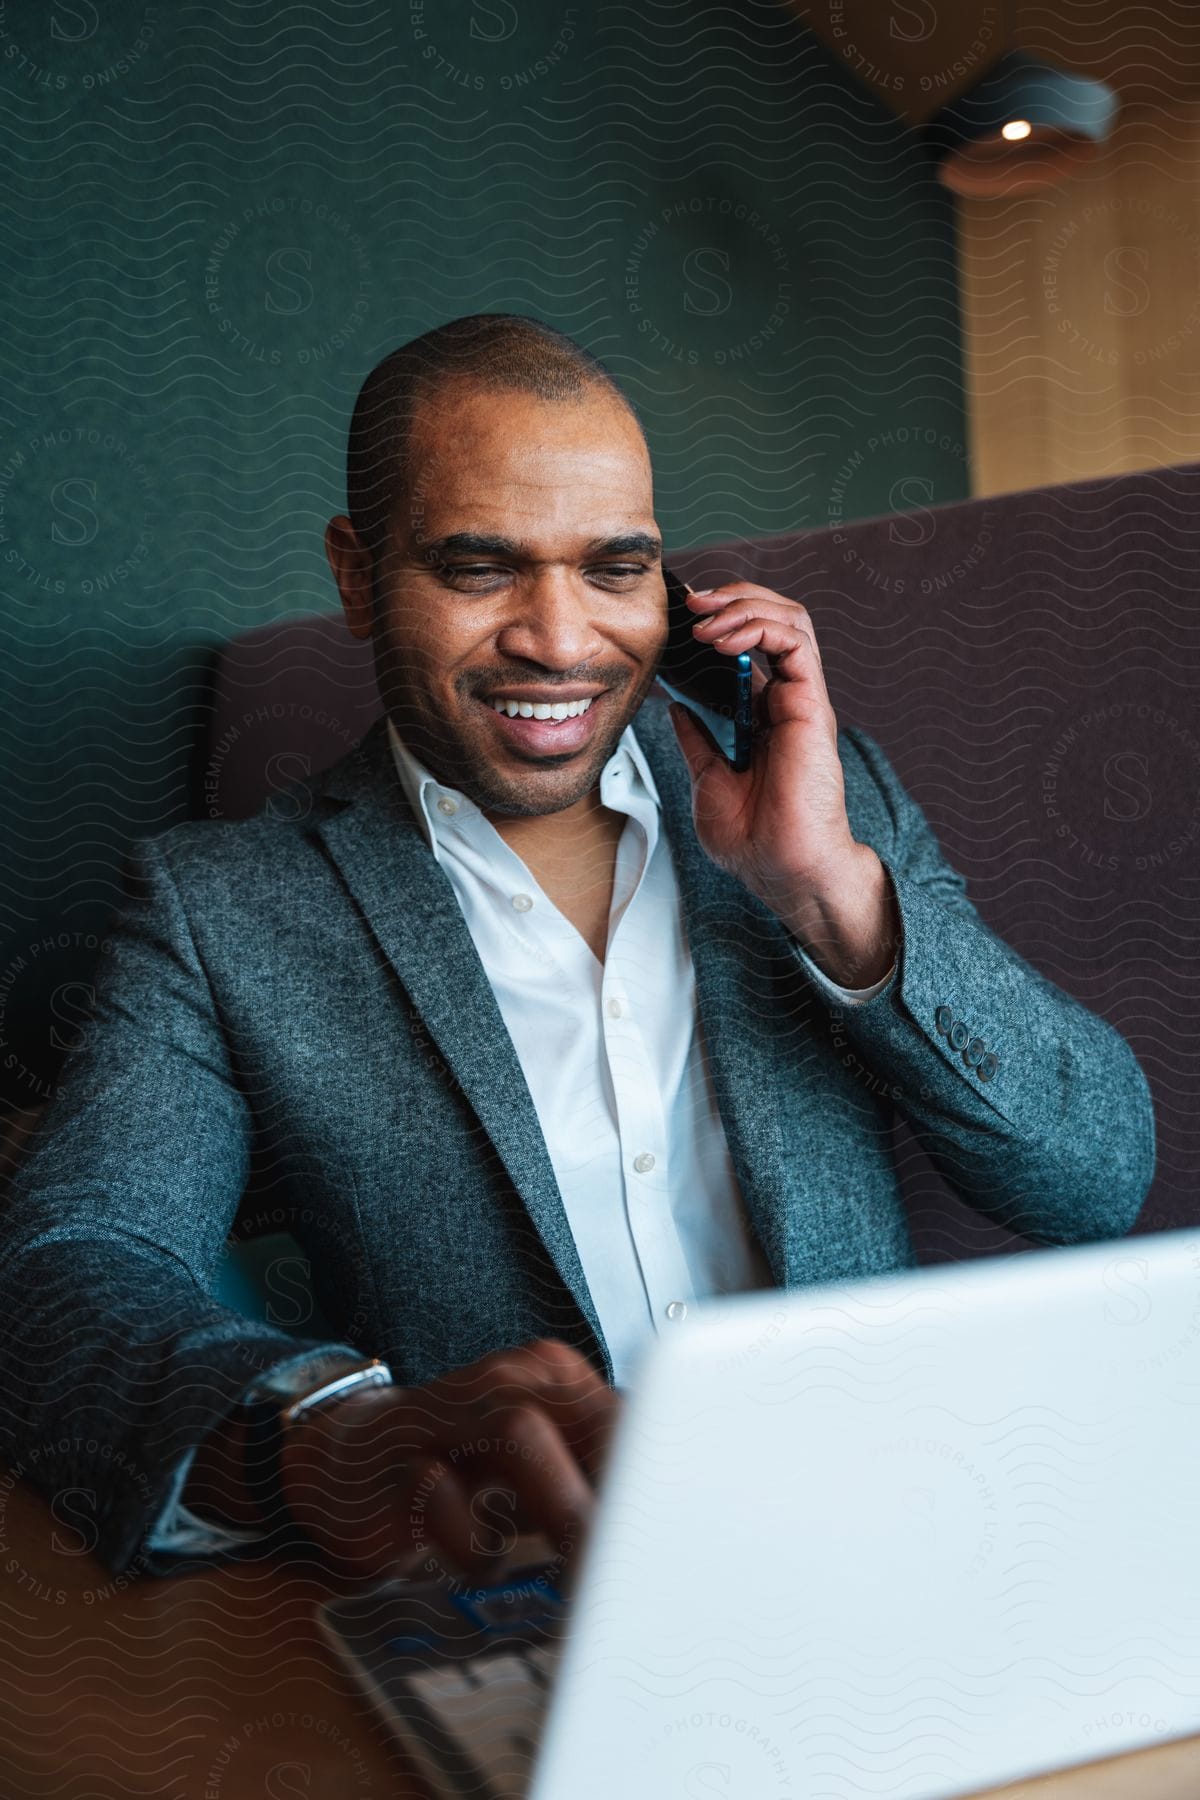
{"x": 579, "y": 835}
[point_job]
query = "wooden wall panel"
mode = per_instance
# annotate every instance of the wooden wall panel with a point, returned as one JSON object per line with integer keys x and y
{"x": 1080, "y": 304}
{"x": 1081, "y": 313}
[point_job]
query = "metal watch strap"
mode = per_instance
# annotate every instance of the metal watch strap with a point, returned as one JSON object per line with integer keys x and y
{"x": 266, "y": 1417}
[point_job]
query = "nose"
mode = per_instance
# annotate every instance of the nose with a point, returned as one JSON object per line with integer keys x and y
{"x": 552, "y": 621}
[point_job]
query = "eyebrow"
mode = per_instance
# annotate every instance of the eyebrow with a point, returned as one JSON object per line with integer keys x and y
{"x": 473, "y": 543}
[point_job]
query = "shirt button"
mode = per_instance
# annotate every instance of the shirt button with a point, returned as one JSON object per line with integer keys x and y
{"x": 447, "y": 805}
{"x": 521, "y": 902}
{"x": 677, "y": 1310}
{"x": 615, "y": 1009}
{"x": 643, "y": 1163}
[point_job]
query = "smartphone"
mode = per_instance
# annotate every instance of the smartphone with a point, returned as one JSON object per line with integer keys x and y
{"x": 718, "y": 688}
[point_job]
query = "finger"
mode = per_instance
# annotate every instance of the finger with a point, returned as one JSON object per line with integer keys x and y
{"x": 572, "y": 1563}
{"x": 743, "y": 600}
{"x": 790, "y": 650}
{"x": 542, "y": 1366}
{"x": 708, "y": 599}
{"x": 571, "y": 1390}
{"x": 583, "y": 1408}
{"x": 746, "y": 606}
{"x": 439, "y": 1513}
{"x": 739, "y": 609}
{"x": 738, "y": 612}
{"x": 522, "y": 1447}
{"x": 586, "y": 1420}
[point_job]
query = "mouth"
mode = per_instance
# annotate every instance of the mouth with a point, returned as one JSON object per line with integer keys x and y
{"x": 547, "y": 736}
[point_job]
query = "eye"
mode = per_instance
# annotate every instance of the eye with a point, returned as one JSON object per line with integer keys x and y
{"x": 612, "y": 573}
{"x": 481, "y": 574}
{"x": 469, "y": 572}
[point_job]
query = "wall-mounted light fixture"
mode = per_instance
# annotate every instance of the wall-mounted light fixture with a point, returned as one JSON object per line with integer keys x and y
{"x": 1023, "y": 125}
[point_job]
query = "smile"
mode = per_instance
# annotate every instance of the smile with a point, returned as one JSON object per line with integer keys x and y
{"x": 541, "y": 709}
{"x": 546, "y": 728}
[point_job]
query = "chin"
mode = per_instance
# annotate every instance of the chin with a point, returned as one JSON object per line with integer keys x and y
{"x": 538, "y": 788}
{"x": 551, "y": 789}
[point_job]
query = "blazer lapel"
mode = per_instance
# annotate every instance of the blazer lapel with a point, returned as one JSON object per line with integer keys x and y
{"x": 410, "y": 905}
{"x": 734, "y": 940}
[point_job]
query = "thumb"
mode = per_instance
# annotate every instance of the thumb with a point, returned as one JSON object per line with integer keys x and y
{"x": 695, "y": 740}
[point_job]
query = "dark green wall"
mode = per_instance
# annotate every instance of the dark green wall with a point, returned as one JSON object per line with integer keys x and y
{"x": 222, "y": 215}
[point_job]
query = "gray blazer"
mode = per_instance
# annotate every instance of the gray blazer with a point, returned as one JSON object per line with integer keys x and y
{"x": 293, "y": 1019}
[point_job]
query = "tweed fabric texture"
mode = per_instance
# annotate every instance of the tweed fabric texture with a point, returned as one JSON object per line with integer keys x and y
{"x": 294, "y": 1016}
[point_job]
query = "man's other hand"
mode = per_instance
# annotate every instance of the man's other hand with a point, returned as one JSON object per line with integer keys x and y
{"x": 414, "y": 1480}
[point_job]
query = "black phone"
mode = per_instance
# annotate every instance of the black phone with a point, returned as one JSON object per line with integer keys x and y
{"x": 716, "y": 687}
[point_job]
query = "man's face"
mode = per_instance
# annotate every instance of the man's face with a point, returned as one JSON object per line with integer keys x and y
{"x": 523, "y": 562}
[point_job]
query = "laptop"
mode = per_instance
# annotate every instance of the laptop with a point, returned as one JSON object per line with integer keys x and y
{"x": 912, "y": 1537}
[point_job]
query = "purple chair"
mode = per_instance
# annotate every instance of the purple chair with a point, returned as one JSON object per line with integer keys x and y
{"x": 1030, "y": 664}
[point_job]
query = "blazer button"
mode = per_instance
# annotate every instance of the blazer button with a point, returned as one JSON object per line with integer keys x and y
{"x": 988, "y": 1067}
{"x": 974, "y": 1052}
{"x": 958, "y": 1035}
{"x": 944, "y": 1019}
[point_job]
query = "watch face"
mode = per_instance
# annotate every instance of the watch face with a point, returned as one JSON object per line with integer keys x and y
{"x": 301, "y": 1378}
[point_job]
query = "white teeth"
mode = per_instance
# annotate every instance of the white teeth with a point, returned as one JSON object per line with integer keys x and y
{"x": 542, "y": 709}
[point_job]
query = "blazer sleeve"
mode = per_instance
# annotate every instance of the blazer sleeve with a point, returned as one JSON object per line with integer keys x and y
{"x": 1053, "y": 1135}
{"x": 115, "y": 1359}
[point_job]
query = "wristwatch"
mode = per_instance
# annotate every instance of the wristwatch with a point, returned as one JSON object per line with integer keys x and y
{"x": 276, "y": 1401}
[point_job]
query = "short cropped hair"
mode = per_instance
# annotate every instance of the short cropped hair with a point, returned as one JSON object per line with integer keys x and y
{"x": 494, "y": 351}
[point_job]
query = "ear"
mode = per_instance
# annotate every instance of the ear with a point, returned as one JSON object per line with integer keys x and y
{"x": 353, "y": 572}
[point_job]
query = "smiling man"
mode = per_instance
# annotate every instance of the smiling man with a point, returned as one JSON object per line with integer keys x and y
{"x": 541, "y": 1024}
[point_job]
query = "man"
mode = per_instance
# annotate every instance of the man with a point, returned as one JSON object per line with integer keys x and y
{"x": 535, "y": 1023}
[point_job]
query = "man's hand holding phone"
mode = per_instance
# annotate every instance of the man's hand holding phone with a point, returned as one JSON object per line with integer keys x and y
{"x": 780, "y": 826}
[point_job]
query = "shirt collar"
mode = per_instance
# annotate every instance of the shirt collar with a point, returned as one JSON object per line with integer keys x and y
{"x": 423, "y": 791}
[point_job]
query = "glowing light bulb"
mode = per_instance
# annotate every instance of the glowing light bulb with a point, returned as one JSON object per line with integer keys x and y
{"x": 1016, "y": 129}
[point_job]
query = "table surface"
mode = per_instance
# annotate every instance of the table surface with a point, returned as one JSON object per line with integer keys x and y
{"x": 216, "y": 1686}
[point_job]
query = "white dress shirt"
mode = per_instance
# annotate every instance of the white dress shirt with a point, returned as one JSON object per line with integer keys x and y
{"x": 614, "y": 1058}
